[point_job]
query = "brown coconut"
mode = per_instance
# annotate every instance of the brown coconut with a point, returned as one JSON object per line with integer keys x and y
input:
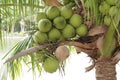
{"x": 62, "y": 53}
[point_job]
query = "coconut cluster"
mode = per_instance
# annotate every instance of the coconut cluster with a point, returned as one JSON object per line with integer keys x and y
{"x": 57, "y": 24}
{"x": 109, "y": 9}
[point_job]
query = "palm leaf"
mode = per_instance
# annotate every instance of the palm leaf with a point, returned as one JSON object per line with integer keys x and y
{"x": 94, "y": 11}
{"x": 12, "y": 10}
{"x": 15, "y": 67}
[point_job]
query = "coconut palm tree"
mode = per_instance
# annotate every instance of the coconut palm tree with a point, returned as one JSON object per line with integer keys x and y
{"x": 101, "y": 43}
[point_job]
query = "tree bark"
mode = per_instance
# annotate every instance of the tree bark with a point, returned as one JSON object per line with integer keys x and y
{"x": 105, "y": 70}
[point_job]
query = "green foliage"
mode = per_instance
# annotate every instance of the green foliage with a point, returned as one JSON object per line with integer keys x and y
{"x": 15, "y": 67}
{"x": 101, "y": 12}
{"x": 13, "y": 10}
{"x": 12, "y": 13}
{"x": 114, "y": 19}
{"x": 93, "y": 11}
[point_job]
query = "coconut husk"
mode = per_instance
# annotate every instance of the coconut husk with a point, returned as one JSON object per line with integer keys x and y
{"x": 97, "y": 30}
{"x": 100, "y": 44}
{"x": 61, "y": 53}
{"x": 89, "y": 39}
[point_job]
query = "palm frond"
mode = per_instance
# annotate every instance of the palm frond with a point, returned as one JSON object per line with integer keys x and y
{"x": 11, "y": 13}
{"x": 19, "y": 47}
{"x": 15, "y": 67}
{"x": 93, "y": 11}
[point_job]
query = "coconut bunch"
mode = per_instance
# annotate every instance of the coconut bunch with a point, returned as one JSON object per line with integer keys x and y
{"x": 109, "y": 10}
{"x": 57, "y": 24}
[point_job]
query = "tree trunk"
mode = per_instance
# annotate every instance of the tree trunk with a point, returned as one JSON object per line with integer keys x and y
{"x": 105, "y": 69}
